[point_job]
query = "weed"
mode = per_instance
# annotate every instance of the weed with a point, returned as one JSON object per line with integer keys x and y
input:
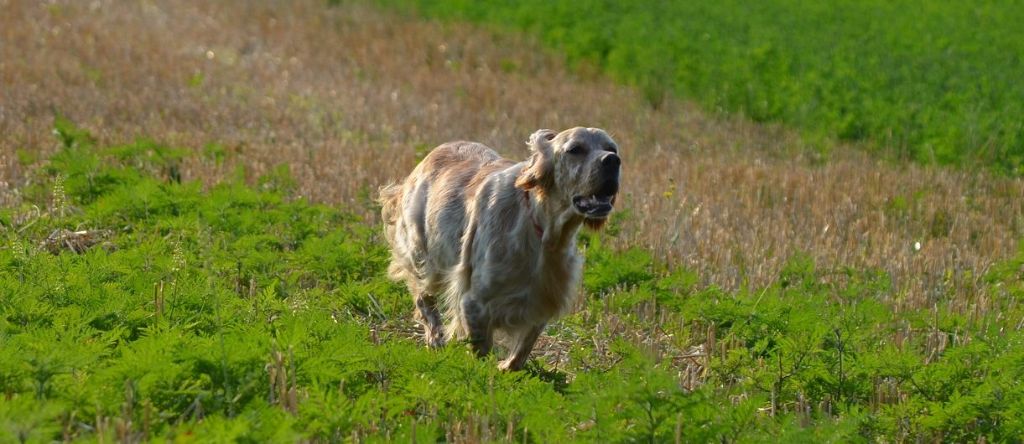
{"x": 239, "y": 312}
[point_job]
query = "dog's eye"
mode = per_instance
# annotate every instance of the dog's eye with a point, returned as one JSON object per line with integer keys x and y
{"x": 575, "y": 149}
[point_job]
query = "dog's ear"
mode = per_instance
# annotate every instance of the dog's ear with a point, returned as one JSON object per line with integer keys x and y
{"x": 538, "y": 173}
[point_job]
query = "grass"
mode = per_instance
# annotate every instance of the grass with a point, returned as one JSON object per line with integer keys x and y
{"x": 243, "y": 312}
{"x": 223, "y": 161}
{"x": 922, "y": 80}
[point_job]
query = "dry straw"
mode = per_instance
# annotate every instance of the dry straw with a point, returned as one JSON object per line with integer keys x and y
{"x": 350, "y": 97}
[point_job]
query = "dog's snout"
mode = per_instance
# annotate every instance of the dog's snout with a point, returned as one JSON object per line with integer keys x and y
{"x": 611, "y": 160}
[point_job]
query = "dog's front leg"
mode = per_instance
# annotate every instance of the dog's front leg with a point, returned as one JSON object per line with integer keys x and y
{"x": 517, "y": 359}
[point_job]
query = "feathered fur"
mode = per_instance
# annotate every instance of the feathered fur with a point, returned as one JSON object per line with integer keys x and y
{"x": 492, "y": 242}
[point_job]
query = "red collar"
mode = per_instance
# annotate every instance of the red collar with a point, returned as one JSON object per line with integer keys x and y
{"x": 529, "y": 210}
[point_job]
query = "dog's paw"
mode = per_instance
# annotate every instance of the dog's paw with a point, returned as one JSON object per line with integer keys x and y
{"x": 436, "y": 340}
{"x": 510, "y": 365}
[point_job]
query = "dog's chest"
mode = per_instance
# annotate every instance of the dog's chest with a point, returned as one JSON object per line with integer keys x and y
{"x": 530, "y": 288}
{"x": 553, "y": 285}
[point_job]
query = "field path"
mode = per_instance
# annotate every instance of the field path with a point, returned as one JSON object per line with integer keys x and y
{"x": 349, "y": 97}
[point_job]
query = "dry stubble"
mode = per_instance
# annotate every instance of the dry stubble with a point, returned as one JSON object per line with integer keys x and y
{"x": 349, "y": 97}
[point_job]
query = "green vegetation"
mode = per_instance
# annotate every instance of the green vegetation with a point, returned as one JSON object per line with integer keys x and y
{"x": 923, "y": 80}
{"x": 238, "y": 312}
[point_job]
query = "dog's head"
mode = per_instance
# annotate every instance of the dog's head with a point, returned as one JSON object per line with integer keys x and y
{"x": 579, "y": 166}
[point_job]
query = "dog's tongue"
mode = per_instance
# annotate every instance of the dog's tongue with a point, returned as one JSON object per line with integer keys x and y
{"x": 593, "y": 205}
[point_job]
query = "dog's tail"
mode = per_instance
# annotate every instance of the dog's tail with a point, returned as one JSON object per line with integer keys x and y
{"x": 390, "y": 200}
{"x": 389, "y": 197}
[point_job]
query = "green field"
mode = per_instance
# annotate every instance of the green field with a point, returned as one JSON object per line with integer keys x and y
{"x": 240, "y": 312}
{"x": 935, "y": 82}
{"x": 190, "y": 250}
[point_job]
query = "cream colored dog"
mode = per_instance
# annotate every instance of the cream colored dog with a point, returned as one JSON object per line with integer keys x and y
{"x": 496, "y": 239}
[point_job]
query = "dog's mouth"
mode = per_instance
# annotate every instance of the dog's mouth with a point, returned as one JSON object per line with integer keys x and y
{"x": 594, "y": 206}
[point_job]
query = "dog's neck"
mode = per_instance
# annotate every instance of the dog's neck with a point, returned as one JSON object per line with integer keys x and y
{"x": 558, "y": 221}
{"x": 531, "y": 214}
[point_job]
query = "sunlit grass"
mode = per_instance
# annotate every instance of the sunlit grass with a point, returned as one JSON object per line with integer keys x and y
{"x": 242, "y": 312}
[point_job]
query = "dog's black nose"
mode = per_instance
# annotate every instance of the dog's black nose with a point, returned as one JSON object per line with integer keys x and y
{"x": 611, "y": 160}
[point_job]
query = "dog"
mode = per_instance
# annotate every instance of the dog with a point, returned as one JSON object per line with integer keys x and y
{"x": 492, "y": 242}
